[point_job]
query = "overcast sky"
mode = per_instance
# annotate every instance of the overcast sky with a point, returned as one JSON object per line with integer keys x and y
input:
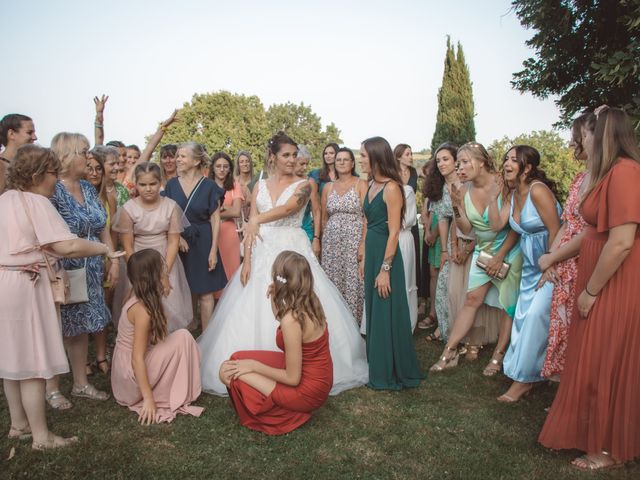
{"x": 371, "y": 67}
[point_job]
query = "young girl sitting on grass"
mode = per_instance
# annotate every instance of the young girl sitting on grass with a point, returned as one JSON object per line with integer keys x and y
{"x": 154, "y": 373}
{"x": 275, "y": 392}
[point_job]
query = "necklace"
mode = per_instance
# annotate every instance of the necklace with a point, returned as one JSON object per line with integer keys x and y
{"x": 110, "y": 190}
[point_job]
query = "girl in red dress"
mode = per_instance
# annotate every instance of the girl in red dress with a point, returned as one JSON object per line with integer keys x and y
{"x": 275, "y": 392}
{"x": 597, "y": 409}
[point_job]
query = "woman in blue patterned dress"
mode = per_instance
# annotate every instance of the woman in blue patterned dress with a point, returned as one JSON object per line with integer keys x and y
{"x": 79, "y": 205}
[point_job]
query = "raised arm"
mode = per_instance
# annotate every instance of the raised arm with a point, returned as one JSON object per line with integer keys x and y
{"x": 98, "y": 125}
{"x": 156, "y": 138}
{"x": 498, "y": 216}
{"x": 459, "y": 212}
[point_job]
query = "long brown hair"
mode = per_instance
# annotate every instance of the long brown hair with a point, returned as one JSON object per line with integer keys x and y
{"x": 434, "y": 180}
{"x": 324, "y": 171}
{"x": 613, "y": 138}
{"x": 292, "y": 289}
{"x": 384, "y": 163}
{"x": 527, "y": 155}
{"x": 144, "y": 270}
{"x": 229, "y": 180}
{"x": 588, "y": 122}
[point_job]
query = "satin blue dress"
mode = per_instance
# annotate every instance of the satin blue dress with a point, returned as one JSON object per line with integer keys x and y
{"x": 529, "y": 333}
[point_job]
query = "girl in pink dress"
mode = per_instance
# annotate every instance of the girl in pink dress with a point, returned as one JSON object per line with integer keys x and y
{"x": 152, "y": 221}
{"x": 155, "y": 373}
{"x": 221, "y": 172}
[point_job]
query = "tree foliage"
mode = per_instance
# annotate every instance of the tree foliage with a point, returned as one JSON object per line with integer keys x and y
{"x": 455, "y": 118}
{"x": 556, "y": 158}
{"x": 587, "y": 53}
{"x": 228, "y": 122}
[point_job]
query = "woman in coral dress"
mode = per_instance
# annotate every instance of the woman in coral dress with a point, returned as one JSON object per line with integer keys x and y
{"x": 154, "y": 373}
{"x": 275, "y": 392}
{"x": 152, "y": 221}
{"x": 596, "y": 408}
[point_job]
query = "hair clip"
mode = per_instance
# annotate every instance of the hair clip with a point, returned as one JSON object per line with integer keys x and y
{"x": 281, "y": 279}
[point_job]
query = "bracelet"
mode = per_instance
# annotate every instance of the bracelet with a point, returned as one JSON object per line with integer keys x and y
{"x": 316, "y": 236}
{"x": 98, "y": 125}
{"x": 589, "y": 293}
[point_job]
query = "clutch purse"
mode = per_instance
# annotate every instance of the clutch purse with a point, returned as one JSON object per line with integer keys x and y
{"x": 483, "y": 260}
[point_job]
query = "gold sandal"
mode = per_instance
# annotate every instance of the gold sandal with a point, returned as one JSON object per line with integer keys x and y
{"x": 494, "y": 366}
{"x": 443, "y": 363}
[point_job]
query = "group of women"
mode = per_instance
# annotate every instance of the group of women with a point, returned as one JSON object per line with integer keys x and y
{"x": 338, "y": 256}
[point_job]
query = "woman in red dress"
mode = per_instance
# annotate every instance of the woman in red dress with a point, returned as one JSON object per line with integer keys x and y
{"x": 597, "y": 408}
{"x": 275, "y": 392}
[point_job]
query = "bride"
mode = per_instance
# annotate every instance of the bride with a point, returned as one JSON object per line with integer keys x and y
{"x": 243, "y": 319}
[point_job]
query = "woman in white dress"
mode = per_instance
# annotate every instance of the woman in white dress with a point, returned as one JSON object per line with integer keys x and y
{"x": 243, "y": 319}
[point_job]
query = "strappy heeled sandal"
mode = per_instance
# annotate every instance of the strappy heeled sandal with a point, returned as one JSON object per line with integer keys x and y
{"x": 427, "y": 322}
{"x": 446, "y": 362}
{"x": 90, "y": 392}
{"x": 494, "y": 366}
{"x": 101, "y": 366}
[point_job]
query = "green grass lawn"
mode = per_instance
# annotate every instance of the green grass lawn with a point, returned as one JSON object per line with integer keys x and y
{"x": 449, "y": 427}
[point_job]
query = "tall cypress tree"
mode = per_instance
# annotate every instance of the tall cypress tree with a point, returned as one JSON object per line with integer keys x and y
{"x": 455, "y": 118}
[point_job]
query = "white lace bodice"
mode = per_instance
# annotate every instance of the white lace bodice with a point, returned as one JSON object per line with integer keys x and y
{"x": 264, "y": 204}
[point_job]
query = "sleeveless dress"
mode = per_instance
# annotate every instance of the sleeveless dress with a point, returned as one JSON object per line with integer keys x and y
{"x": 86, "y": 221}
{"x": 596, "y": 407}
{"x": 393, "y": 364}
{"x": 150, "y": 228}
{"x": 228, "y": 238}
{"x": 525, "y": 355}
{"x": 340, "y": 241}
{"x": 203, "y": 201}
{"x": 287, "y": 407}
{"x": 503, "y": 294}
{"x": 443, "y": 210}
{"x": 243, "y": 319}
{"x": 564, "y": 293}
{"x": 30, "y": 333}
{"x": 172, "y": 370}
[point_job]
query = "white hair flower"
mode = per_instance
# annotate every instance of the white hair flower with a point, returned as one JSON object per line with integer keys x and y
{"x": 281, "y": 279}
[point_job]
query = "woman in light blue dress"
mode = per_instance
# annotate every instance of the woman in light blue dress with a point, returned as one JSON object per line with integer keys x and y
{"x": 534, "y": 213}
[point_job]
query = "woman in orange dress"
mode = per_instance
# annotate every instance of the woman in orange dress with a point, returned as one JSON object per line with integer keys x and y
{"x": 597, "y": 408}
{"x": 275, "y": 392}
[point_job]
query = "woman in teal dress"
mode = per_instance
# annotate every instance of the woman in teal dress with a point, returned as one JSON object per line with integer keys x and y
{"x": 534, "y": 213}
{"x": 393, "y": 364}
{"x": 471, "y": 211}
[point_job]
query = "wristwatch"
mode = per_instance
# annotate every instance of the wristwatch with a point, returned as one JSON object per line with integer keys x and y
{"x": 385, "y": 267}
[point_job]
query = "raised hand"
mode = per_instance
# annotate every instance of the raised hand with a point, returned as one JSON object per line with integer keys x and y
{"x": 169, "y": 120}
{"x": 456, "y": 194}
{"x": 497, "y": 187}
{"x": 100, "y": 103}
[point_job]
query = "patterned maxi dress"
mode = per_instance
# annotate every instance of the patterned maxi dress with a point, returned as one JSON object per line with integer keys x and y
{"x": 340, "y": 241}
{"x": 564, "y": 290}
{"x": 85, "y": 221}
{"x": 443, "y": 210}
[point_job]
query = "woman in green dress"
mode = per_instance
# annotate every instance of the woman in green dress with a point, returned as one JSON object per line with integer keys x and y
{"x": 393, "y": 364}
{"x": 471, "y": 211}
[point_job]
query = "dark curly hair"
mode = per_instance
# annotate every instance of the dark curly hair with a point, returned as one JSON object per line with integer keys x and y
{"x": 527, "y": 155}
{"x": 31, "y": 160}
{"x": 434, "y": 180}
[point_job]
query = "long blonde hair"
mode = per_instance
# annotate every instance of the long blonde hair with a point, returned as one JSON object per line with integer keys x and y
{"x": 613, "y": 138}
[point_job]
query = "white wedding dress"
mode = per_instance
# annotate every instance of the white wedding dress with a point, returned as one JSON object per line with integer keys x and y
{"x": 243, "y": 319}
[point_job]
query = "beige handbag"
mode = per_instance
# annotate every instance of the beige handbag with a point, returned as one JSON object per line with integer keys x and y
{"x": 483, "y": 260}
{"x": 67, "y": 286}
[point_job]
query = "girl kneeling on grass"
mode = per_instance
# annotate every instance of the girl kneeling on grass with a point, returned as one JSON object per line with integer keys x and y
{"x": 155, "y": 374}
{"x": 275, "y": 392}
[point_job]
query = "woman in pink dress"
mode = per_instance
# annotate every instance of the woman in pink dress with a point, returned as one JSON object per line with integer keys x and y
{"x": 275, "y": 392}
{"x": 31, "y": 348}
{"x": 154, "y": 373}
{"x": 221, "y": 172}
{"x": 153, "y": 221}
{"x": 560, "y": 265}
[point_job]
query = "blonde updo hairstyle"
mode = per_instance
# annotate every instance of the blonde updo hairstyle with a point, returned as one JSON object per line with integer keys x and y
{"x": 66, "y": 145}
{"x": 292, "y": 289}
{"x": 478, "y": 153}
{"x": 198, "y": 152}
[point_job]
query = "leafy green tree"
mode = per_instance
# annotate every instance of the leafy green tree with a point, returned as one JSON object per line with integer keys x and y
{"x": 586, "y": 53}
{"x": 301, "y": 124}
{"x": 556, "y": 158}
{"x": 455, "y": 117}
{"x": 222, "y": 121}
